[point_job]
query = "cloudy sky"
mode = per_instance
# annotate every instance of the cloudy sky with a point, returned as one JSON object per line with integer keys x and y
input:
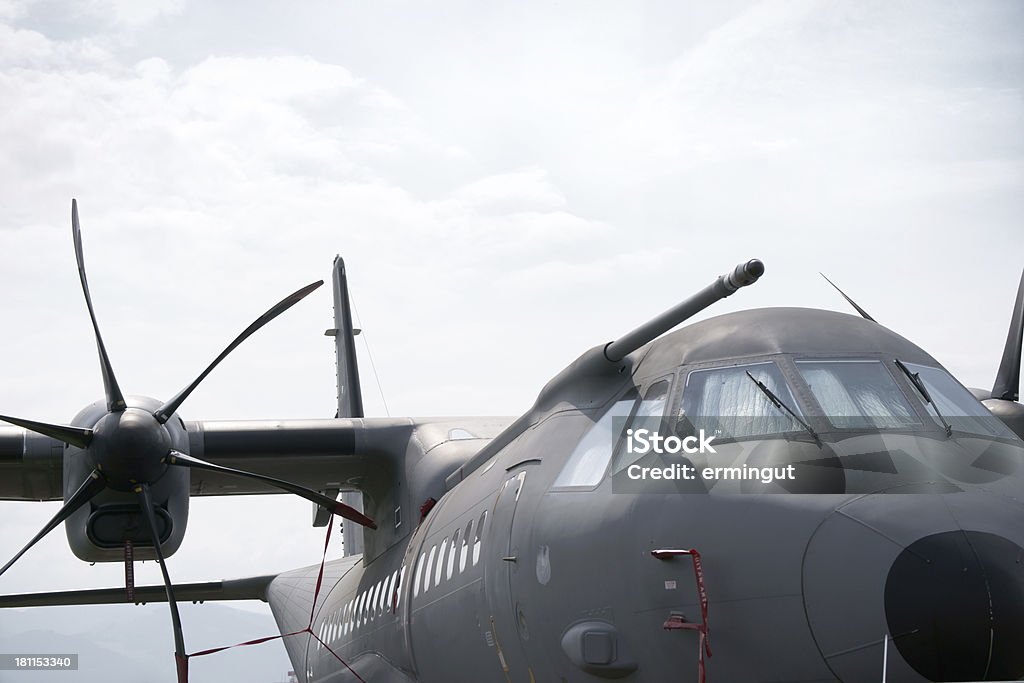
{"x": 509, "y": 185}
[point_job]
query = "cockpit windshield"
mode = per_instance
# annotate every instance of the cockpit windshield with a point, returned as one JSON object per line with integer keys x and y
{"x": 726, "y": 403}
{"x": 857, "y": 394}
{"x": 960, "y": 409}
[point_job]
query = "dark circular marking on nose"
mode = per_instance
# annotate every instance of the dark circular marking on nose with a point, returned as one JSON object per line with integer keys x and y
{"x": 954, "y": 603}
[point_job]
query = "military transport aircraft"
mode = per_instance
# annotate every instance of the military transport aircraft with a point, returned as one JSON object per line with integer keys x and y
{"x": 853, "y": 512}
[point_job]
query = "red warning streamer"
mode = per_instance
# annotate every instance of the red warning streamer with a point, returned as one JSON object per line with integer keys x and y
{"x": 676, "y": 621}
{"x": 129, "y": 570}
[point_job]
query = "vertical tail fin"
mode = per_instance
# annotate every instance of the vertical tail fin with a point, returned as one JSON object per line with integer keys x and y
{"x": 1003, "y": 400}
{"x": 350, "y": 396}
{"x": 1007, "y": 384}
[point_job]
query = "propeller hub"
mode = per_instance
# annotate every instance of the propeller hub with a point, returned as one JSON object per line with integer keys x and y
{"x": 129, "y": 447}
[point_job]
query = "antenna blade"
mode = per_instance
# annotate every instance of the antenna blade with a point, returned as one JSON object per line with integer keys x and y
{"x": 1007, "y": 384}
{"x": 180, "y": 658}
{"x": 329, "y": 504}
{"x": 73, "y": 436}
{"x": 92, "y": 485}
{"x": 864, "y": 314}
{"x": 115, "y": 400}
{"x": 164, "y": 412}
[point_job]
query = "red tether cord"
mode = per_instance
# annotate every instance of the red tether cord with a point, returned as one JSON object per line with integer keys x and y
{"x": 182, "y": 662}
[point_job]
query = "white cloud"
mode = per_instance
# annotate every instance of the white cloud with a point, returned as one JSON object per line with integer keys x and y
{"x": 130, "y": 14}
{"x": 13, "y": 9}
{"x": 577, "y": 276}
{"x": 27, "y": 49}
{"x": 212, "y": 168}
{"x": 869, "y": 82}
{"x": 260, "y": 79}
{"x": 528, "y": 189}
{"x": 380, "y": 98}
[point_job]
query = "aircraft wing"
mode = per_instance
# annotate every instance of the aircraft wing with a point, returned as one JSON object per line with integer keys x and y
{"x": 31, "y": 465}
{"x": 317, "y": 454}
{"x": 320, "y": 454}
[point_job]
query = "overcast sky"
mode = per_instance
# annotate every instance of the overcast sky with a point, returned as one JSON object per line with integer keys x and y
{"x": 509, "y": 185}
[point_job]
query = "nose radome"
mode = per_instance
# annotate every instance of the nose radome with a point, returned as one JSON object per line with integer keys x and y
{"x": 954, "y": 602}
{"x": 937, "y": 573}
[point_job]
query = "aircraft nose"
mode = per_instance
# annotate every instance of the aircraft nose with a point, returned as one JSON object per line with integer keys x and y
{"x": 939, "y": 572}
{"x": 954, "y": 602}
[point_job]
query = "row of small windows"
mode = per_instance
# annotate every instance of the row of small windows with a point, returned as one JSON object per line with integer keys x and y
{"x": 386, "y": 594}
{"x": 371, "y": 603}
{"x": 449, "y": 557}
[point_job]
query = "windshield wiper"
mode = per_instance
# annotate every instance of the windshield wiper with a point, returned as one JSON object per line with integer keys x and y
{"x": 915, "y": 379}
{"x": 777, "y": 402}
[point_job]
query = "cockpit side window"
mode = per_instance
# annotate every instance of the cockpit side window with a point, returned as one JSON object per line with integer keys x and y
{"x": 650, "y": 414}
{"x": 963, "y": 412}
{"x": 588, "y": 462}
{"x": 727, "y": 403}
{"x": 857, "y": 394}
{"x": 652, "y": 408}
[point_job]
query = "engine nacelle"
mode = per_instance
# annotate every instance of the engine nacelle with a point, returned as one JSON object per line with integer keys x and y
{"x": 1010, "y": 412}
{"x": 98, "y": 531}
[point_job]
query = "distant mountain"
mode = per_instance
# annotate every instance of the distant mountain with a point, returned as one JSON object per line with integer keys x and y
{"x": 133, "y": 644}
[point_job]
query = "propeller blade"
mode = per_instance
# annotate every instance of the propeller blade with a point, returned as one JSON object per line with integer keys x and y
{"x": 164, "y": 412}
{"x": 180, "y": 658}
{"x": 73, "y": 436}
{"x": 863, "y": 313}
{"x": 92, "y": 485}
{"x": 329, "y": 504}
{"x": 1007, "y": 384}
{"x": 115, "y": 400}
